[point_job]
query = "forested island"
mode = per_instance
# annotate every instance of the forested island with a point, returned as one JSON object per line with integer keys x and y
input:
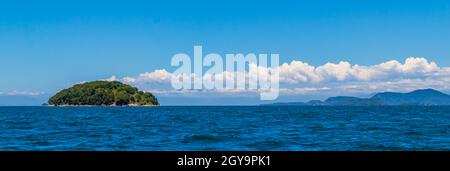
{"x": 103, "y": 93}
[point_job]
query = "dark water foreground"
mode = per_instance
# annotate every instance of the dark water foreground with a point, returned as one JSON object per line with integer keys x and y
{"x": 225, "y": 128}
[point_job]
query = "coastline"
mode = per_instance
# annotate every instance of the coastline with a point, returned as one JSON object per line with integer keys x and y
{"x": 130, "y": 105}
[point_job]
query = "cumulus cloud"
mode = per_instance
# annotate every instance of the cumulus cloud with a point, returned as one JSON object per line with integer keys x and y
{"x": 299, "y": 72}
{"x": 112, "y": 78}
{"x": 158, "y": 76}
{"x": 299, "y": 77}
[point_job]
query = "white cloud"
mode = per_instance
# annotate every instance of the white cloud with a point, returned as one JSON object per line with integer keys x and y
{"x": 156, "y": 76}
{"x": 299, "y": 72}
{"x": 298, "y": 77}
{"x": 112, "y": 78}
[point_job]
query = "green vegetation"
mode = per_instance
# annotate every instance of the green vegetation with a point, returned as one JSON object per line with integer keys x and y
{"x": 102, "y": 93}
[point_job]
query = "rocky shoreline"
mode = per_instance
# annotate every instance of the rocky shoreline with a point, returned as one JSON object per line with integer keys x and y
{"x": 130, "y": 105}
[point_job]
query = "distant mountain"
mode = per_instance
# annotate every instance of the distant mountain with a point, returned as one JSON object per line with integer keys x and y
{"x": 418, "y": 97}
{"x": 349, "y": 101}
{"x": 425, "y": 97}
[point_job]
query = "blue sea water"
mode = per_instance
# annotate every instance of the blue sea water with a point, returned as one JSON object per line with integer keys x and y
{"x": 225, "y": 128}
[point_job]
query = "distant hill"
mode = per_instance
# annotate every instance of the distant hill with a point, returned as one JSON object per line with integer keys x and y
{"x": 348, "y": 101}
{"x": 418, "y": 97}
{"x": 102, "y": 93}
{"x": 424, "y": 97}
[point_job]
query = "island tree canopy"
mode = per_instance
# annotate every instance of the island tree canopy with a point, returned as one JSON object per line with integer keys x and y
{"x": 103, "y": 93}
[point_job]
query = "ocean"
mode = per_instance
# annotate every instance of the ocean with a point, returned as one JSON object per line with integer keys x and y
{"x": 265, "y": 128}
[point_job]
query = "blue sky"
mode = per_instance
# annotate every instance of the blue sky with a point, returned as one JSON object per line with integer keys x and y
{"x": 49, "y": 45}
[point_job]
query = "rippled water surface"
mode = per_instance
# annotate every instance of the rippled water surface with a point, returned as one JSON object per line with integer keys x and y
{"x": 225, "y": 128}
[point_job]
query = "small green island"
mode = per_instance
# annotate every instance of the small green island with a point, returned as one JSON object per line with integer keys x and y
{"x": 103, "y": 93}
